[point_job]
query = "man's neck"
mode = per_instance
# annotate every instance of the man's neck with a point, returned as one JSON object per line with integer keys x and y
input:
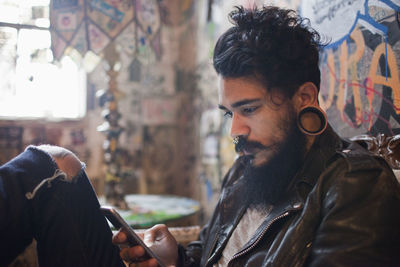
{"x": 310, "y": 139}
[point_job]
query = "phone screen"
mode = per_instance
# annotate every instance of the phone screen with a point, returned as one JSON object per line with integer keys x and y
{"x": 133, "y": 239}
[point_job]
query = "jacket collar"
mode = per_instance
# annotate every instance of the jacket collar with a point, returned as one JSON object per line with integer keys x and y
{"x": 230, "y": 212}
{"x": 322, "y": 151}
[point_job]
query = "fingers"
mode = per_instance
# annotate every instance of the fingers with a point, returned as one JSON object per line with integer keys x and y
{"x": 159, "y": 228}
{"x": 148, "y": 263}
{"x": 129, "y": 254}
{"x": 119, "y": 238}
{"x": 149, "y": 237}
{"x": 155, "y": 234}
{"x": 132, "y": 254}
{"x": 158, "y": 239}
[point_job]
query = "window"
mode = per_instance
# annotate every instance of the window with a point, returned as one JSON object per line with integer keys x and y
{"x": 31, "y": 86}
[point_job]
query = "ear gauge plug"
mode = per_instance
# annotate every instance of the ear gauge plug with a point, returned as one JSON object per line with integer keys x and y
{"x": 312, "y": 120}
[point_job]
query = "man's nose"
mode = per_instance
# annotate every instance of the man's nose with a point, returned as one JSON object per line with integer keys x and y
{"x": 239, "y": 127}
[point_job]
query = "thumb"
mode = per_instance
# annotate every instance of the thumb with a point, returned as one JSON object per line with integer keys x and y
{"x": 119, "y": 237}
{"x": 149, "y": 237}
{"x": 155, "y": 234}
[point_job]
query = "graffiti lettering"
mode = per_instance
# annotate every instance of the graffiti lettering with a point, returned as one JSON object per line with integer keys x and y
{"x": 353, "y": 60}
{"x": 329, "y": 9}
{"x": 393, "y": 81}
{"x": 339, "y": 78}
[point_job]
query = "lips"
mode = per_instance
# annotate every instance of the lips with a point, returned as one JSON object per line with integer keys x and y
{"x": 248, "y": 150}
{"x": 254, "y": 151}
{"x": 246, "y": 153}
{"x": 245, "y": 147}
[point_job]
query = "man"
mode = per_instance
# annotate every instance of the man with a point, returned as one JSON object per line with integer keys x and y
{"x": 298, "y": 194}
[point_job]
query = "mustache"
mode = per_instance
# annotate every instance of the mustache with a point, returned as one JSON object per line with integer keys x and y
{"x": 244, "y": 144}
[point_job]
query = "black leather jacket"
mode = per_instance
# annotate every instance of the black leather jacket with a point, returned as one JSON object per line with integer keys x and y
{"x": 343, "y": 209}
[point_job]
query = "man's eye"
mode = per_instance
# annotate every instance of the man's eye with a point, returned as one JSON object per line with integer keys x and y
{"x": 228, "y": 114}
{"x": 249, "y": 110}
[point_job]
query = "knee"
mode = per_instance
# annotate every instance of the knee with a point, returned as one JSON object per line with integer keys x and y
{"x": 66, "y": 161}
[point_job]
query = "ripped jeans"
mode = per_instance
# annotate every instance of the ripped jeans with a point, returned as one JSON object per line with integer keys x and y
{"x": 63, "y": 217}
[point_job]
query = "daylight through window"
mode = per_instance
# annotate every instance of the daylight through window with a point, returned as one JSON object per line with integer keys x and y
{"x": 31, "y": 85}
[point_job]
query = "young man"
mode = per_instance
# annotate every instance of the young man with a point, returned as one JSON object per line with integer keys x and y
{"x": 299, "y": 194}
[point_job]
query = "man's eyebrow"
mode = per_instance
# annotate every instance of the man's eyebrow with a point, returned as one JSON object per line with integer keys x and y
{"x": 244, "y": 102}
{"x": 222, "y": 107}
{"x": 240, "y": 103}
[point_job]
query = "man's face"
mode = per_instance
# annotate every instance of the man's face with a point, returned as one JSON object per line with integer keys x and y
{"x": 257, "y": 116}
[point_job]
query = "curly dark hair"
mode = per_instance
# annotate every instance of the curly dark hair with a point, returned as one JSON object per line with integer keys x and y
{"x": 271, "y": 43}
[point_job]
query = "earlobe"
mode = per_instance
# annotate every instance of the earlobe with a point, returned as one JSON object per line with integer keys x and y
{"x": 311, "y": 118}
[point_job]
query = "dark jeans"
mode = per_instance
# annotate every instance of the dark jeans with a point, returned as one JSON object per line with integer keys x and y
{"x": 64, "y": 217}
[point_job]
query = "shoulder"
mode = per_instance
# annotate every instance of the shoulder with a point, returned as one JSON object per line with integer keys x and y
{"x": 353, "y": 158}
{"x": 354, "y": 200}
{"x": 355, "y": 173}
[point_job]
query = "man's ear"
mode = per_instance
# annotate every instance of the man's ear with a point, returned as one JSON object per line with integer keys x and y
{"x": 307, "y": 95}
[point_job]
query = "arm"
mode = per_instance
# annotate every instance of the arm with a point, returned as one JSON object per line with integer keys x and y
{"x": 178, "y": 255}
{"x": 161, "y": 241}
{"x": 191, "y": 255}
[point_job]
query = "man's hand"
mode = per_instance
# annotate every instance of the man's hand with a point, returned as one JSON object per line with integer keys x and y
{"x": 158, "y": 239}
{"x": 65, "y": 159}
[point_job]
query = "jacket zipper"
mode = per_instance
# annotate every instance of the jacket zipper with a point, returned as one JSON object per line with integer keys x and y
{"x": 259, "y": 237}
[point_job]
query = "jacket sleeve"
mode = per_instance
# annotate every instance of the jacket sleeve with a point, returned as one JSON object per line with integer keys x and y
{"x": 191, "y": 255}
{"x": 360, "y": 218}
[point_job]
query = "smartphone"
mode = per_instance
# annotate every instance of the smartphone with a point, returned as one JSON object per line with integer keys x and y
{"x": 133, "y": 239}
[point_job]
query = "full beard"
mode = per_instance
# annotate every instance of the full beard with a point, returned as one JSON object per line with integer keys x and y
{"x": 267, "y": 183}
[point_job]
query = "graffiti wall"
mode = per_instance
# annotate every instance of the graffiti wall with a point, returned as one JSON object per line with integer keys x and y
{"x": 360, "y": 88}
{"x": 359, "y": 64}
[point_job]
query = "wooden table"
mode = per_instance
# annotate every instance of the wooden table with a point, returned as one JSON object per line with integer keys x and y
{"x": 148, "y": 210}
